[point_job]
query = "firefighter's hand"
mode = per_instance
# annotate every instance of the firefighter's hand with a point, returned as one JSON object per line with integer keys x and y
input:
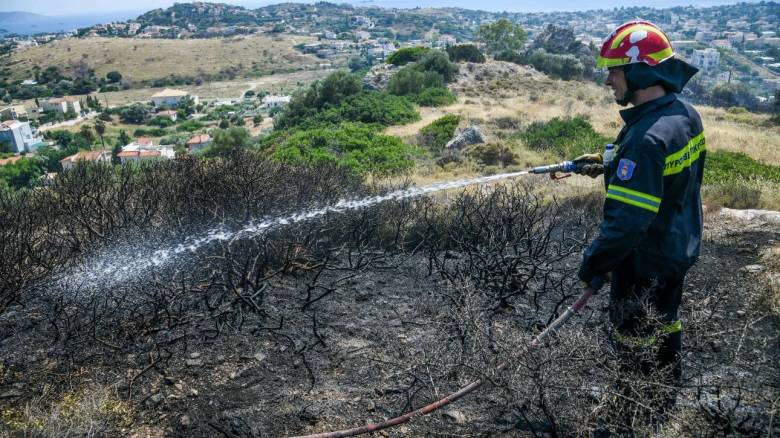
{"x": 591, "y": 165}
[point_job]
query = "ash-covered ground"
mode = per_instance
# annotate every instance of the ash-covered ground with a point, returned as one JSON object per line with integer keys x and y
{"x": 368, "y": 314}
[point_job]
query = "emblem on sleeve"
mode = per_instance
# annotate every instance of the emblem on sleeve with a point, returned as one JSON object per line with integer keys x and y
{"x": 625, "y": 169}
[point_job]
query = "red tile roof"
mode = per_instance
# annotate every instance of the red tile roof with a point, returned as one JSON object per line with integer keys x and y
{"x": 10, "y": 160}
{"x": 138, "y": 154}
{"x": 198, "y": 139}
{"x": 83, "y": 156}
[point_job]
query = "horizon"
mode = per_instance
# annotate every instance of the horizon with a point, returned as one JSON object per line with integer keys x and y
{"x": 80, "y": 8}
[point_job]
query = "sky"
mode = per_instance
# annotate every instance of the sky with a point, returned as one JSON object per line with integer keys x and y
{"x": 78, "y": 7}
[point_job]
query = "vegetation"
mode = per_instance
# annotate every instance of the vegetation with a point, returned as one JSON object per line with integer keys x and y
{"x": 352, "y": 145}
{"x": 436, "y": 135}
{"x": 564, "y": 138}
{"x": 724, "y": 167}
{"x": 433, "y": 97}
{"x": 406, "y": 55}
{"x": 501, "y": 36}
{"x": 410, "y": 81}
{"x": 492, "y": 154}
{"x": 465, "y": 53}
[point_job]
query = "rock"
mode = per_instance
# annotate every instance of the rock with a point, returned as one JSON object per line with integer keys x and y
{"x": 194, "y": 355}
{"x": 379, "y": 75}
{"x": 260, "y": 357}
{"x": 456, "y": 416}
{"x": 370, "y": 406}
{"x": 147, "y": 432}
{"x": 193, "y": 392}
{"x": 194, "y": 362}
{"x": 154, "y": 400}
{"x": 185, "y": 421}
{"x": 752, "y": 215}
{"x": 466, "y": 137}
{"x": 752, "y": 269}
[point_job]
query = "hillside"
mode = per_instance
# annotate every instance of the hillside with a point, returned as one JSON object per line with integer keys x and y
{"x": 145, "y": 60}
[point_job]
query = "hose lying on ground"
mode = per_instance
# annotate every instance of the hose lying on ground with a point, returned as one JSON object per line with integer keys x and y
{"x": 551, "y": 329}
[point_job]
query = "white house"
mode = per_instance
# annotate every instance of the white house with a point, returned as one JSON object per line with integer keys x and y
{"x": 61, "y": 105}
{"x": 100, "y": 156}
{"x": 705, "y": 59}
{"x": 169, "y": 97}
{"x": 169, "y": 114}
{"x": 143, "y": 149}
{"x": 271, "y": 101}
{"x": 20, "y": 136}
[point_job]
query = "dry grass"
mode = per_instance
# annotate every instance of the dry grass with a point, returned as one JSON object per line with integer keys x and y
{"x": 147, "y": 59}
{"x": 87, "y": 412}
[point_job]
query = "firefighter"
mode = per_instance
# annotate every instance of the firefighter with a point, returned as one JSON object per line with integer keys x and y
{"x": 651, "y": 230}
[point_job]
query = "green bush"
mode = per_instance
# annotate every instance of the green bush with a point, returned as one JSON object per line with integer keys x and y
{"x": 352, "y": 145}
{"x": 438, "y": 96}
{"x": 723, "y": 167}
{"x": 161, "y": 122}
{"x": 439, "y": 62}
{"x": 411, "y": 81}
{"x": 738, "y": 194}
{"x": 465, "y": 53}
{"x": 492, "y": 154}
{"x": 189, "y": 126}
{"x": 371, "y": 108}
{"x": 323, "y": 94}
{"x": 565, "y": 138}
{"x": 151, "y": 132}
{"x": 406, "y": 55}
{"x": 436, "y": 135}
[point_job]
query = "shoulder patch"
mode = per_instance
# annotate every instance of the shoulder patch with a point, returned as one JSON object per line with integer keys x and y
{"x": 625, "y": 169}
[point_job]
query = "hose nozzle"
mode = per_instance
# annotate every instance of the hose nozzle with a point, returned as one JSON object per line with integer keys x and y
{"x": 566, "y": 166}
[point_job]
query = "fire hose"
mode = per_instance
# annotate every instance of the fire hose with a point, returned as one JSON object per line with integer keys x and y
{"x": 550, "y": 330}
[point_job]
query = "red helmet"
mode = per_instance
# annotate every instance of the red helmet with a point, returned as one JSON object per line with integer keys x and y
{"x": 635, "y": 41}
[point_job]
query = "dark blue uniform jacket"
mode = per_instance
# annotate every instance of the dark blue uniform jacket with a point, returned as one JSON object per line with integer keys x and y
{"x": 652, "y": 214}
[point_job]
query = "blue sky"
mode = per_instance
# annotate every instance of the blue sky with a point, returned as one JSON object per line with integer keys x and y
{"x": 77, "y": 7}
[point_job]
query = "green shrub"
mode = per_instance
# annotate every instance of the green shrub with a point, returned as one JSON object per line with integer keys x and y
{"x": 438, "y": 96}
{"x": 411, "y": 81}
{"x": 565, "y": 138}
{"x": 436, "y": 135}
{"x": 161, "y": 122}
{"x": 189, "y": 126}
{"x": 151, "y": 132}
{"x": 369, "y": 108}
{"x": 323, "y": 94}
{"x": 492, "y": 154}
{"x": 723, "y": 167}
{"x": 738, "y": 194}
{"x": 352, "y": 145}
{"x": 465, "y": 53}
{"x": 406, "y": 55}
{"x": 439, "y": 62}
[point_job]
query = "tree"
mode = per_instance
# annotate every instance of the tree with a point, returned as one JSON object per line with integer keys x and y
{"x": 558, "y": 39}
{"x": 501, "y": 36}
{"x": 186, "y": 107}
{"x": 134, "y": 114}
{"x": 114, "y": 76}
{"x": 224, "y": 124}
{"x": 256, "y": 120}
{"x": 123, "y": 138}
{"x": 100, "y": 128}
{"x": 86, "y": 133}
{"x": 227, "y": 141}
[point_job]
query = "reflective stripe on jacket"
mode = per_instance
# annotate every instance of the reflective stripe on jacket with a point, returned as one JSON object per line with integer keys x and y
{"x": 653, "y": 208}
